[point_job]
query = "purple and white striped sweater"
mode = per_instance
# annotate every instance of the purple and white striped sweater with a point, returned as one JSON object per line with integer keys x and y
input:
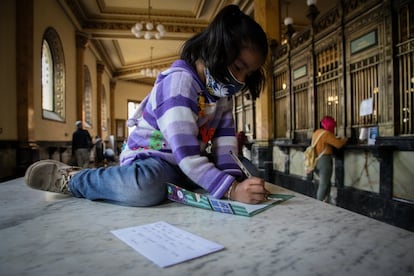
{"x": 175, "y": 122}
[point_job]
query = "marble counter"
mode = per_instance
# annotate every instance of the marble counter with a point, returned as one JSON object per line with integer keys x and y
{"x": 43, "y": 233}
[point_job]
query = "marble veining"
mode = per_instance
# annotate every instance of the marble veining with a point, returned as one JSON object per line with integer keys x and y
{"x": 49, "y": 234}
{"x": 361, "y": 171}
{"x": 403, "y": 175}
{"x": 279, "y": 159}
{"x": 296, "y": 165}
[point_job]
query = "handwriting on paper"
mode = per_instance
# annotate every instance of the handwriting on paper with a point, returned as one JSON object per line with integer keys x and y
{"x": 164, "y": 244}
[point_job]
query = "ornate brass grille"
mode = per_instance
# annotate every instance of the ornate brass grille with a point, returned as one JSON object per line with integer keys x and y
{"x": 405, "y": 55}
{"x": 364, "y": 86}
{"x": 281, "y": 104}
{"x": 327, "y": 86}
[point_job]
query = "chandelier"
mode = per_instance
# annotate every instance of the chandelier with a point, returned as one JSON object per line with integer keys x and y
{"x": 150, "y": 72}
{"x": 146, "y": 29}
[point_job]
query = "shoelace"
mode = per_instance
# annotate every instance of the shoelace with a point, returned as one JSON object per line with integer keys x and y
{"x": 67, "y": 174}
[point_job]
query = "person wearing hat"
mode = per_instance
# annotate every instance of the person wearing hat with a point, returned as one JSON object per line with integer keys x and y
{"x": 324, "y": 149}
{"x": 81, "y": 144}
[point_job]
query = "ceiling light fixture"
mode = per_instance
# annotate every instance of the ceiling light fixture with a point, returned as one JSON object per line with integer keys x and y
{"x": 289, "y": 27}
{"x": 288, "y": 23}
{"x": 150, "y": 72}
{"x": 146, "y": 29}
{"x": 313, "y": 11}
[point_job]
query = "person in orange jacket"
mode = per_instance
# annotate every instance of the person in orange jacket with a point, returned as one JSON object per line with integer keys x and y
{"x": 324, "y": 147}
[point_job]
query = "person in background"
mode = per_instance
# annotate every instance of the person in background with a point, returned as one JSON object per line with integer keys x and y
{"x": 190, "y": 106}
{"x": 99, "y": 150}
{"x": 325, "y": 145}
{"x": 243, "y": 141}
{"x": 109, "y": 155}
{"x": 81, "y": 144}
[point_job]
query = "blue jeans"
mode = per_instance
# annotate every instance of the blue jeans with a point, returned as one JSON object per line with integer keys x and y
{"x": 140, "y": 184}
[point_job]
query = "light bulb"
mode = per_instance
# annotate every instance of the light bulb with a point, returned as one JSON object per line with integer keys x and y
{"x": 160, "y": 28}
{"x": 149, "y": 26}
{"x": 147, "y": 35}
{"x": 138, "y": 26}
{"x": 288, "y": 21}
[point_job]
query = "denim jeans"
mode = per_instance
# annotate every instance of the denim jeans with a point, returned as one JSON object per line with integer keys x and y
{"x": 140, "y": 184}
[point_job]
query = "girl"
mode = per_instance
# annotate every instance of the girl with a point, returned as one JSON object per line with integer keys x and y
{"x": 189, "y": 106}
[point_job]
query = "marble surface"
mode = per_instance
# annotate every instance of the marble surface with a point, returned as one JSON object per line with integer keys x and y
{"x": 43, "y": 233}
{"x": 403, "y": 175}
{"x": 362, "y": 171}
{"x": 279, "y": 159}
{"x": 296, "y": 165}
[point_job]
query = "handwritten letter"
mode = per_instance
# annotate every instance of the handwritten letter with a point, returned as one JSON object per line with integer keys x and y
{"x": 164, "y": 244}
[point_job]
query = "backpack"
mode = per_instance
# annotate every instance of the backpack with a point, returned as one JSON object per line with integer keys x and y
{"x": 309, "y": 155}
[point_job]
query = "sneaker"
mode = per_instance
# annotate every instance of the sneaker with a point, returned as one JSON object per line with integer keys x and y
{"x": 50, "y": 175}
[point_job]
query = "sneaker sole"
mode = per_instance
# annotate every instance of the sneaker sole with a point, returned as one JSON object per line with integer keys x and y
{"x": 42, "y": 175}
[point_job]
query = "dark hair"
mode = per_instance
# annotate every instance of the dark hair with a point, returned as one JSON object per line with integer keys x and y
{"x": 220, "y": 43}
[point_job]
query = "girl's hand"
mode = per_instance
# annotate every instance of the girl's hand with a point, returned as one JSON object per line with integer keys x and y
{"x": 251, "y": 191}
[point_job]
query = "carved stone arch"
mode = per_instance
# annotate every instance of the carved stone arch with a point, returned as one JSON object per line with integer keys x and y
{"x": 57, "y": 110}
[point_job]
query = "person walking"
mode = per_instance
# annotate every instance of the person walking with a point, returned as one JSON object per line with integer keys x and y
{"x": 81, "y": 145}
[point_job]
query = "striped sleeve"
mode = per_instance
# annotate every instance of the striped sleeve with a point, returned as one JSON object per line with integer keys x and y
{"x": 176, "y": 114}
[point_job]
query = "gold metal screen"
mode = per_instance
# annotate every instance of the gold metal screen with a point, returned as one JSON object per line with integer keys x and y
{"x": 244, "y": 113}
{"x": 281, "y": 104}
{"x": 364, "y": 84}
{"x": 405, "y": 54}
{"x": 327, "y": 86}
{"x": 302, "y": 105}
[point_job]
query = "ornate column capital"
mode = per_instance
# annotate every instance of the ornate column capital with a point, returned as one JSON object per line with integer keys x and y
{"x": 82, "y": 40}
{"x": 100, "y": 67}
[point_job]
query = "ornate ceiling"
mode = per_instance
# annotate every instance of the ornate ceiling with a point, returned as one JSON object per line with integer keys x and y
{"x": 108, "y": 24}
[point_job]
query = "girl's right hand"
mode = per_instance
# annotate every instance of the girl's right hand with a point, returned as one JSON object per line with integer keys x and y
{"x": 250, "y": 191}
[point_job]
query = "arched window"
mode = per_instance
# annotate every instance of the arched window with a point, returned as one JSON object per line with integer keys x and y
{"x": 53, "y": 77}
{"x": 87, "y": 96}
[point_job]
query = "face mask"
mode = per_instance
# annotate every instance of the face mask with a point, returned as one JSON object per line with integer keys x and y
{"x": 220, "y": 89}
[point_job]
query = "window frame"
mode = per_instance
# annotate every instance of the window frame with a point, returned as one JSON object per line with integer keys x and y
{"x": 58, "y": 77}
